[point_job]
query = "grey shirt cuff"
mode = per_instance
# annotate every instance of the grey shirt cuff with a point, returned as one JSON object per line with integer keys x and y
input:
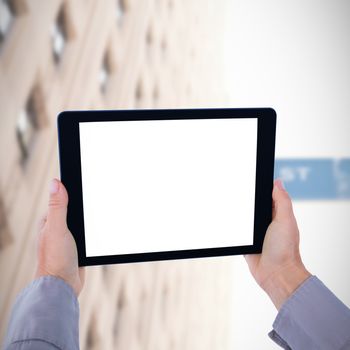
{"x": 312, "y": 318}
{"x": 47, "y": 310}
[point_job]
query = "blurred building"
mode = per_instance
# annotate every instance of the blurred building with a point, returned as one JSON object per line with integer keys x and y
{"x": 89, "y": 54}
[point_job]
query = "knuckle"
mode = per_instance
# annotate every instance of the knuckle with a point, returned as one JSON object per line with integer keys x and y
{"x": 56, "y": 203}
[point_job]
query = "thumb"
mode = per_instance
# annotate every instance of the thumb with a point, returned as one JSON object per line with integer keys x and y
{"x": 58, "y": 201}
{"x": 282, "y": 204}
{"x": 252, "y": 261}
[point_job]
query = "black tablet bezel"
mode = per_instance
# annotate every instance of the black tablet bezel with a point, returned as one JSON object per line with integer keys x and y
{"x": 70, "y": 168}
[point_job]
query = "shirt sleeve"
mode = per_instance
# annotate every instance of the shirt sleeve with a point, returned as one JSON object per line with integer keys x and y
{"x": 312, "y": 318}
{"x": 45, "y": 316}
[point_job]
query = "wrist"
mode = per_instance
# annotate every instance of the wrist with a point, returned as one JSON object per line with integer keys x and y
{"x": 281, "y": 285}
{"x": 43, "y": 273}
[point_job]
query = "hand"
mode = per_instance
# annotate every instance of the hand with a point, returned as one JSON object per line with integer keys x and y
{"x": 278, "y": 269}
{"x": 57, "y": 252}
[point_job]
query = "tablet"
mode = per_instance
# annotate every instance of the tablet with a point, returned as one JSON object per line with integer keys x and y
{"x": 149, "y": 185}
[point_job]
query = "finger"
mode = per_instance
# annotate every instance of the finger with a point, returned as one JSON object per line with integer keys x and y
{"x": 252, "y": 260}
{"x": 58, "y": 201}
{"x": 282, "y": 208}
{"x": 273, "y": 209}
{"x": 42, "y": 222}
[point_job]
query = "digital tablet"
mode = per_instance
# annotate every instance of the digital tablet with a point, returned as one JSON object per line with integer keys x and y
{"x": 149, "y": 185}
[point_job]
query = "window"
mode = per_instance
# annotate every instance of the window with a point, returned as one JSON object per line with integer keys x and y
{"x": 59, "y": 36}
{"x": 120, "y": 11}
{"x": 149, "y": 36}
{"x": 139, "y": 94}
{"x": 119, "y": 313}
{"x": 27, "y": 125}
{"x": 163, "y": 45}
{"x": 104, "y": 73}
{"x": 155, "y": 94}
{"x": 5, "y": 237}
{"x": 7, "y": 14}
{"x": 92, "y": 337}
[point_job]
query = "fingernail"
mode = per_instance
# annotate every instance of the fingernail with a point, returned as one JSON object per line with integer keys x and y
{"x": 54, "y": 186}
{"x": 280, "y": 185}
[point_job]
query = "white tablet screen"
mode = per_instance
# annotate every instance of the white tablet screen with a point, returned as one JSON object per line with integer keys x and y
{"x": 164, "y": 185}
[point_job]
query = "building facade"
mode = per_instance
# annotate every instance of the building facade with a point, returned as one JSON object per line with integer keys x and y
{"x": 88, "y": 54}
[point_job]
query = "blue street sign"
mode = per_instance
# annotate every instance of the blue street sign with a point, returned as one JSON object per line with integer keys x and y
{"x": 315, "y": 178}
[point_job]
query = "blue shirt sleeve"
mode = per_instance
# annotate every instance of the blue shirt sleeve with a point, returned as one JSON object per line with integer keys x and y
{"x": 312, "y": 318}
{"x": 45, "y": 316}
